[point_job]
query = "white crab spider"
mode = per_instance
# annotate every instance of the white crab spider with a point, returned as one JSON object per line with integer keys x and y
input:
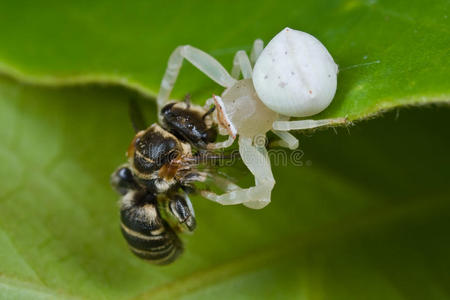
{"x": 294, "y": 76}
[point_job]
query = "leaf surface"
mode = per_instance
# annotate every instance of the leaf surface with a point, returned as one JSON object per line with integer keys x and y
{"x": 362, "y": 214}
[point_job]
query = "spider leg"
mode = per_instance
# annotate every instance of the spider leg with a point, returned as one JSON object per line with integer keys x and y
{"x": 225, "y": 125}
{"x": 201, "y": 60}
{"x": 287, "y": 139}
{"x": 220, "y": 145}
{"x": 257, "y": 161}
{"x": 258, "y": 47}
{"x": 307, "y": 124}
{"x": 208, "y": 103}
{"x": 241, "y": 63}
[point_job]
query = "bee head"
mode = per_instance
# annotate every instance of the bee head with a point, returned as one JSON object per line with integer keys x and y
{"x": 190, "y": 123}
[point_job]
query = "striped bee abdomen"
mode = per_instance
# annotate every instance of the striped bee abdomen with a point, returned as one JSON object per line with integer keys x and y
{"x": 148, "y": 235}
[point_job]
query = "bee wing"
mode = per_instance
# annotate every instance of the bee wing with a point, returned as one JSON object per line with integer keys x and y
{"x": 214, "y": 179}
{"x": 202, "y": 172}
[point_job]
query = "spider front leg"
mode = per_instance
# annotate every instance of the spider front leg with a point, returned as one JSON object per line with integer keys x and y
{"x": 257, "y": 161}
{"x": 242, "y": 63}
{"x": 224, "y": 121}
{"x": 201, "y": 60}
{"x": 287, "y": 140}
{"x": 258, "y": 47}
{"x": 221, "y": 145}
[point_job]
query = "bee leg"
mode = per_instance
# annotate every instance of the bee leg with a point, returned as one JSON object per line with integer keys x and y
{"x": 181, "y": 208}
{"x": 188, "y": 188}
{"x": 187, "y": 100}
{"x": 210, "y": 111}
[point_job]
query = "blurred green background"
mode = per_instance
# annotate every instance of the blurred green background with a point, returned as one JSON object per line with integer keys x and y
{"x": 365, "y": 217}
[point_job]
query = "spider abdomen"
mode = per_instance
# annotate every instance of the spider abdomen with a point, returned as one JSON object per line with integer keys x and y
{"x": 295, "y": 74}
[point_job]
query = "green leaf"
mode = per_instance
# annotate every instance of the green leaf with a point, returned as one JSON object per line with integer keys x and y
{"x": 362, "y": 214}
{"x": 365, "y": 217}
{"x": 390, "y": 53}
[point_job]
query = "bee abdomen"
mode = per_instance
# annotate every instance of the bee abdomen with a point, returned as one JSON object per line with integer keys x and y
{"x": 161, "y": 248}
{"x": 149, "y": 237}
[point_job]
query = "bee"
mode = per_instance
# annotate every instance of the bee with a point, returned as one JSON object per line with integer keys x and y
{"x": 163, "y": 165}
{"x": 163, "y": 156}
{"x": 150, "y": 222}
